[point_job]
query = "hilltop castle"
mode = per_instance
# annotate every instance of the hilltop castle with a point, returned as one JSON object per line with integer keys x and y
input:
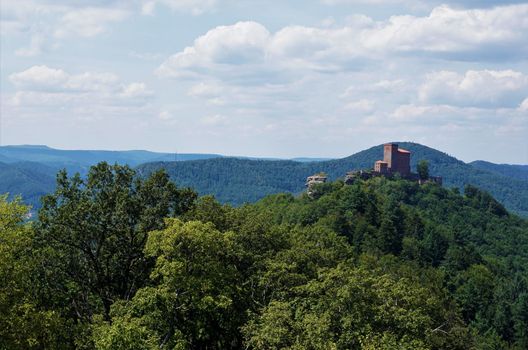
{"x": 395, "y": 161}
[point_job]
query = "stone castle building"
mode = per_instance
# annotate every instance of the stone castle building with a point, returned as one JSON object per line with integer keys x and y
{"x": 395, "y": 160}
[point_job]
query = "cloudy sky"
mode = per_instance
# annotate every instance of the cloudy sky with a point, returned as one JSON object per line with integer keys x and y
{"x": 267, "y": 78}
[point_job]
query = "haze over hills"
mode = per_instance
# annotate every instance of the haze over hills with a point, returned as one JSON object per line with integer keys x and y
{"x": 81, "y": 160}
{"x": 30, "y": 171}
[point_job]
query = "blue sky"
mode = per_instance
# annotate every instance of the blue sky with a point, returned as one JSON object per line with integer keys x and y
{"x": 267, "y": 78}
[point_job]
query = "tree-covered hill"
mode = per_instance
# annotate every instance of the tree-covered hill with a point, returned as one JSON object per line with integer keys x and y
{"x": 29, "y": 170}
{"x": 29, "y": 179}
{"x": 119, "y": 262}
{"x": 515, "y": 171}
{"x": 82, "y": 160}
{"x": 237, "y": 181}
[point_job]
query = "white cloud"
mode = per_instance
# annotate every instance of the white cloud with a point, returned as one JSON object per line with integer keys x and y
{"x": 361, "y": 106}
{"x": 241, "y": 44}
{"x": 426, "y": 3}
{"x": 195, "y": 7}
{"x": 461, "y": 34}
{"x": 40, "y": 77}
{"x": 88, "y": 22}
{"x": 523, "y": 107}
{"x": 43, "y": 78}
{"x": 136, "y": 90}
{"x": 485, "y": 88}
{"x": 49, "y": 21}
{"x": 250, "y": 51}
{"x": 40, "y": 87}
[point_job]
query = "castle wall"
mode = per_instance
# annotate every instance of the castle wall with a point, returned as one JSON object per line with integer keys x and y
{"x": 398, "y": 161}
{"x": 403, "y": 165}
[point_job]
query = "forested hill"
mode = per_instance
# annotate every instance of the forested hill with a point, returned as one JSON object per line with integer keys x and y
{"x": 81, "y": 160}
{"x": 30, "y": 179}
{"x": 511, "y": 170}
{"x": 236, "y": 181}
{"x": 119, "y": 262}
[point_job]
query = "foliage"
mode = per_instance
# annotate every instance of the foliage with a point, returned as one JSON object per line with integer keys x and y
{"x": 92, "y": 233}
{"x": 23, "y": 324}
{"x": 422, "y": 169}
{"x": 119, "y": 262}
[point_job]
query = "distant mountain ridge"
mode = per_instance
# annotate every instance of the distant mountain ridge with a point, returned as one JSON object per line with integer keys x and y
{"x": 511, "y": 170}
{"x": 81, "y": 160}
{"x": 30, "y": 171}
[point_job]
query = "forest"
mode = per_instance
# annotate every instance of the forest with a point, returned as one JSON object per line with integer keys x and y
{"x": 119, "y": 261}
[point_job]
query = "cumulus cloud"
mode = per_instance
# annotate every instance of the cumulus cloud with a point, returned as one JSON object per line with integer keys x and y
{"x": 241, "y": 44}
{"x": 427, "y": 3}
{"x": 452, "y": 33}
{"x": 85, "y": 18}
{"x": 466, "y": 119}
{"x": 49, "y": 21}
{"x": 44, "y": 78}
{"x": 43, "y": 86}
{"x": 446, "y": 32}
{"x": 484, "y": 88}
{"x": 88, "y": 22}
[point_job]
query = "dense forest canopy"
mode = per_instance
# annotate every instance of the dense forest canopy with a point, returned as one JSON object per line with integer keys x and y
{"x": 117, "y": 261}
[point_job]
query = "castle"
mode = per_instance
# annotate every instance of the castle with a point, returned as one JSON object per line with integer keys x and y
{"x": 395, "y": 161}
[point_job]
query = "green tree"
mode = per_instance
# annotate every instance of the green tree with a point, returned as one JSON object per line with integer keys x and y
{"x": 423, "y": 169}
{"x": 366, "y": 307}
{"x": 23, "y": 323}
{"x": 93, "y": 231}
{"x": 195, "y": 298}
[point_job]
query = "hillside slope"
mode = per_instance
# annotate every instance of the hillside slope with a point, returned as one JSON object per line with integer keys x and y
{"x": 237, "y": 181}
{"x": 29, "y": 179}
{"x": 81, "y": 160}
{"x": 515, "y": 171}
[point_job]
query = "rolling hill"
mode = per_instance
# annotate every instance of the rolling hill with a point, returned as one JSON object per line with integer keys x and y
{"x": 29, "y": 179}
{"x": 30, "y": 171}
{"x": 81, "y": 160}
{"x": 237, "y": 181}
{"x": 515, "y": 171}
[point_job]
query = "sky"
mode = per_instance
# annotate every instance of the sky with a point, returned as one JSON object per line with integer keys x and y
{"x": 266, "y": 78}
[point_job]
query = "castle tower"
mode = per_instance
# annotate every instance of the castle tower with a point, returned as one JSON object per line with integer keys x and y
{"x": 398, "y": 160}
{"x": 390, "y": 154}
